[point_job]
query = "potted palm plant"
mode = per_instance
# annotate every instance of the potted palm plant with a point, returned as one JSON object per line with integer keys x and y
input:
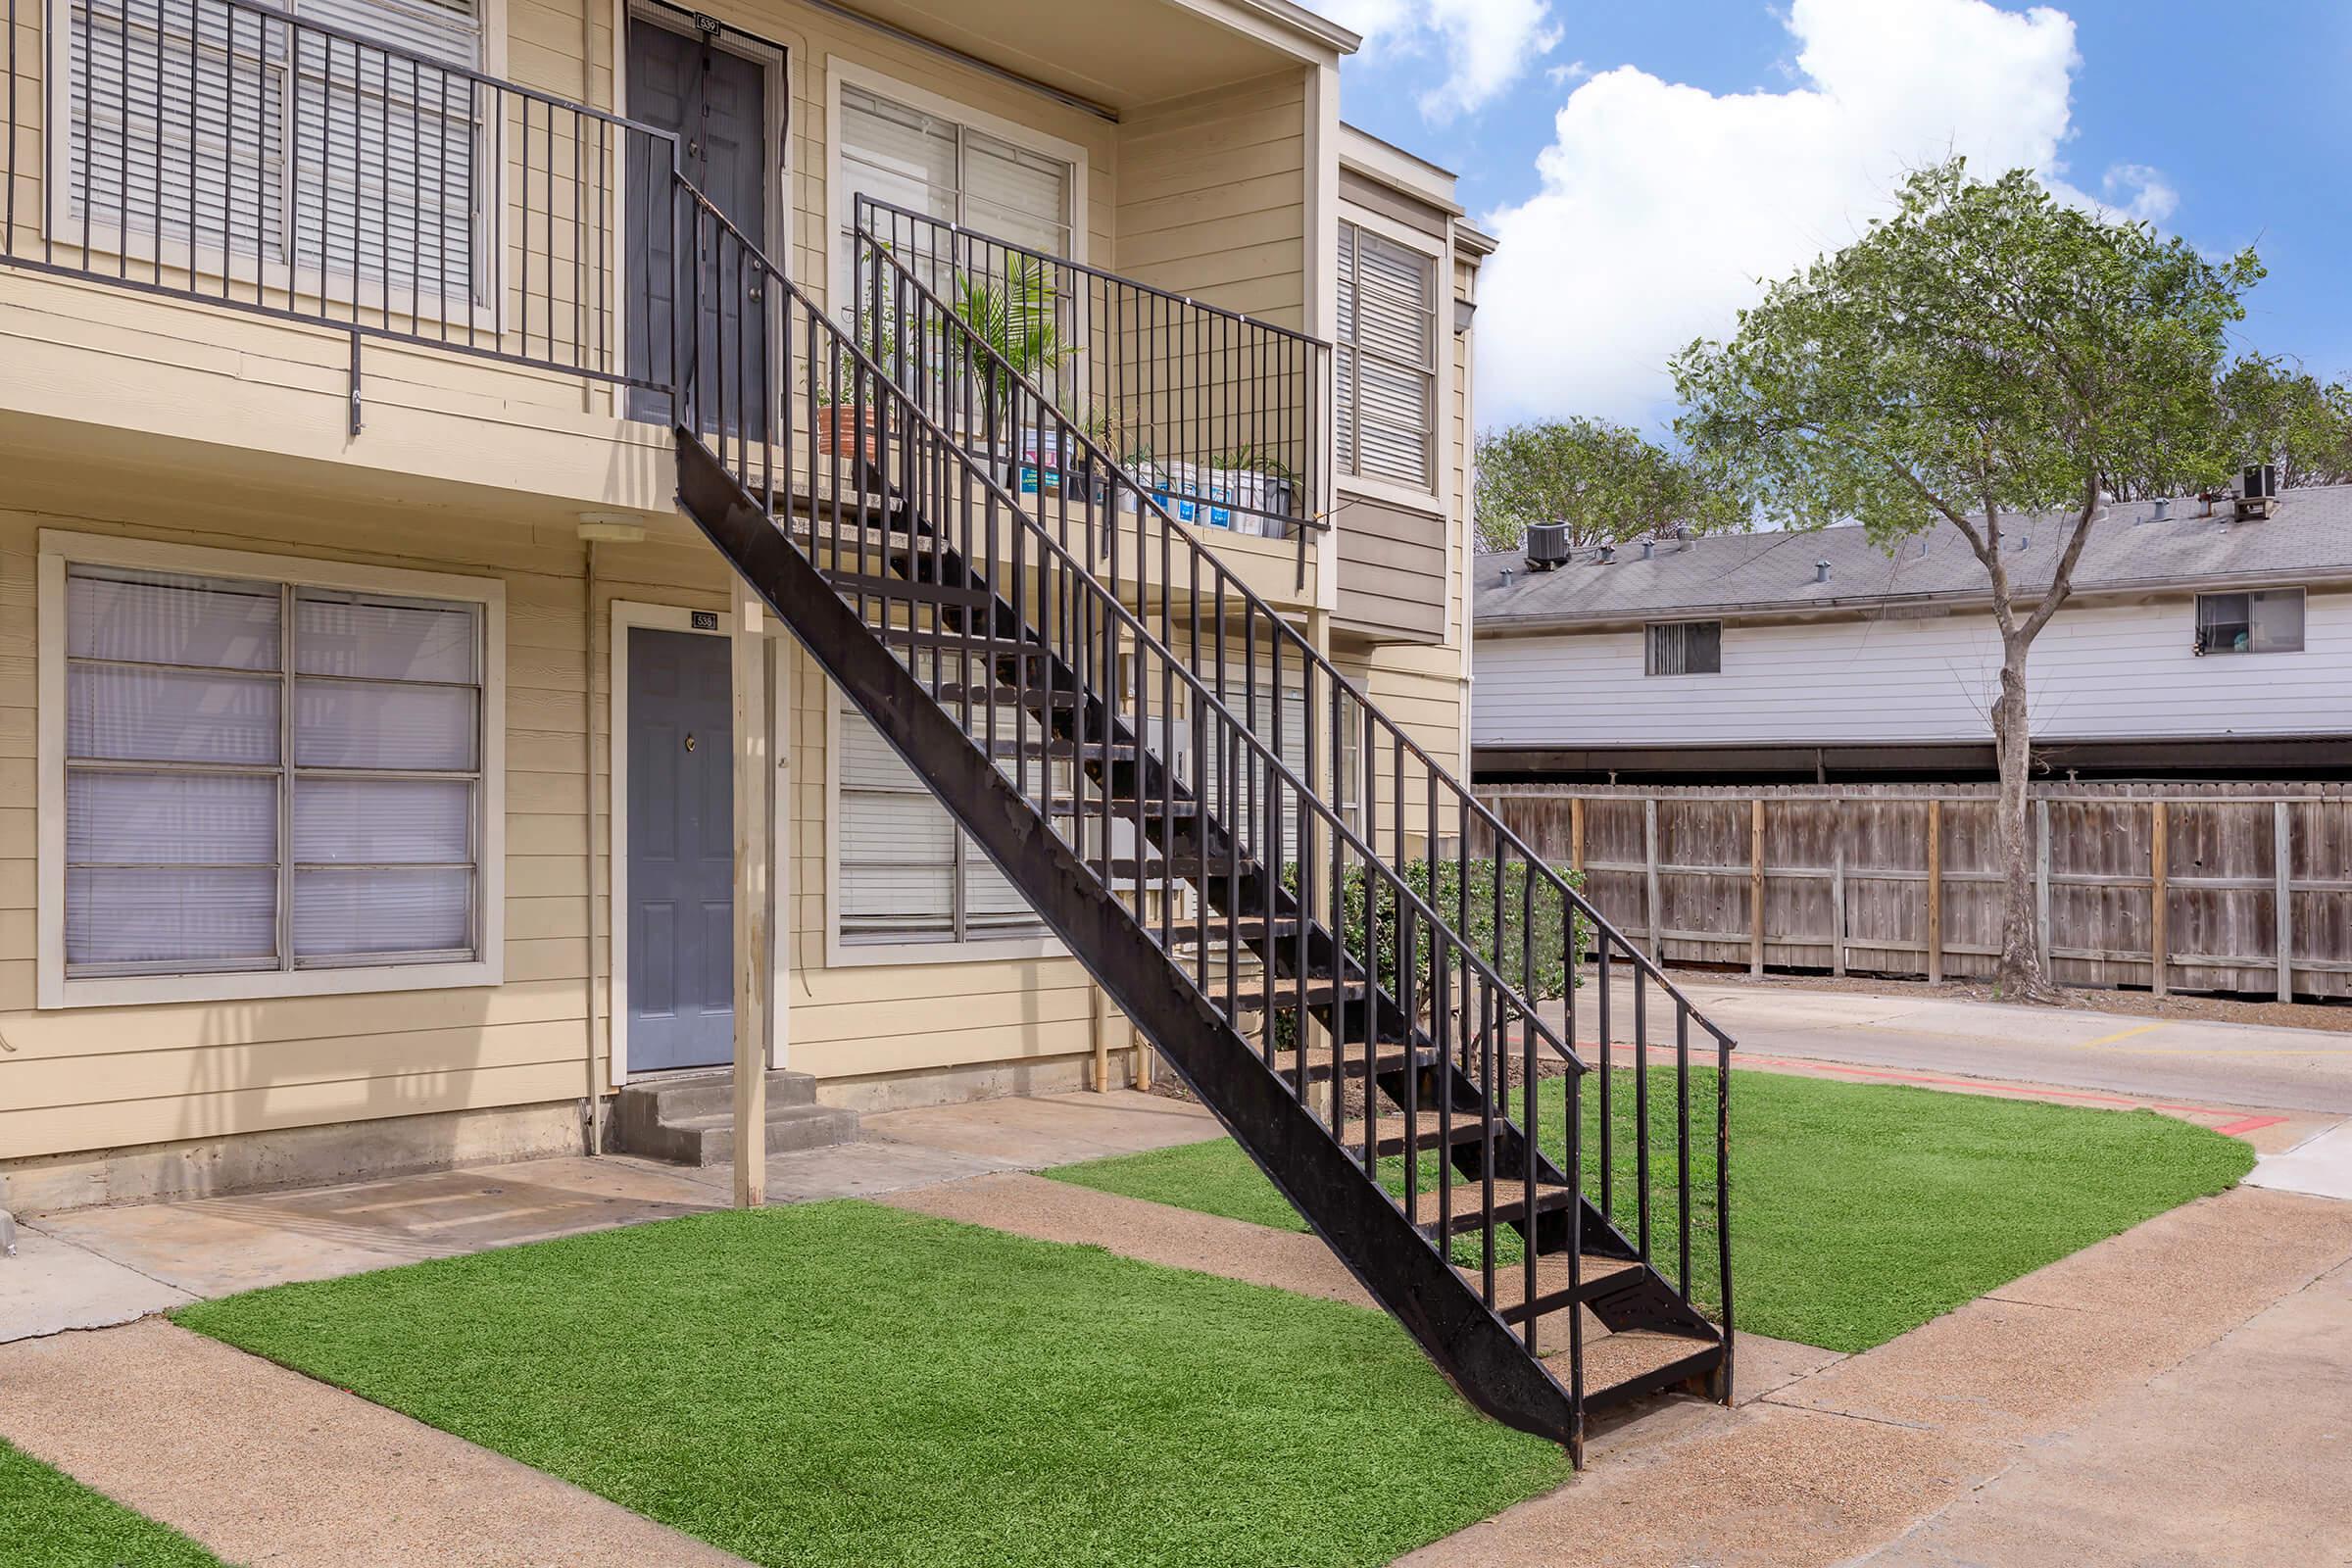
{"x": 1016, "y": 317}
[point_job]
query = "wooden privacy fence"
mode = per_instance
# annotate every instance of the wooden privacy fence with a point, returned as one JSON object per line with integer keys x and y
{"x": 2175, "y": 887}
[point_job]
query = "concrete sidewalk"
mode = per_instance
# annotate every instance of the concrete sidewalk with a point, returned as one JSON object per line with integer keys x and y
{"x": 2173, "y": 1396}
{"x": 89, "y": 1268}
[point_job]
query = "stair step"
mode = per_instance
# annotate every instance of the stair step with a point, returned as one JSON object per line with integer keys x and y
{"x": 1286, "y": 994}
{"x": 1601, "y": 1277}
{"x": 1019, "y": 746}
{"x": 1462, "y": 1207}
{"x": 789, "y": 1129}
{"x": 1124, "y": 808}
{"x": 972, "y": 644}
{"x": 984, "y": 696}
{"x": 1321, "y": 1069}
{"x": 1181, "y": 867}
{"x": 1250, "y": 932}
{"x": 908, "y": 589}
{"x": 689, "y": 1118}
{"x": 1392, "y": 1137}
{"x": 1636, "y": 1363}
{"x": 675, "y": 1094}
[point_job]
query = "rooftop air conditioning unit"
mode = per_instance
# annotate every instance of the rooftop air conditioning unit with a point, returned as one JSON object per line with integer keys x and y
{"x": 1547, "y": 546}
{"x": 2258, "y": 490}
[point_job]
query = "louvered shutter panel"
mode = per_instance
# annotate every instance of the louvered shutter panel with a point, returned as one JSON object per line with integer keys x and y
{"x": 386, "y": 152}
{"x": 1343, "y": 367}
{"x": 1394, "y": 327}
{"x": 175, "y": 126}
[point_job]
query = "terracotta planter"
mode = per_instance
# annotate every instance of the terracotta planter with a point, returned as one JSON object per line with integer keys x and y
{"x": 837, "y": 430}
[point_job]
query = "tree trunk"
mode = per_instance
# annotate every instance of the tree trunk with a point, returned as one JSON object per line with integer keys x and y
{"x": 2020, "y": 975}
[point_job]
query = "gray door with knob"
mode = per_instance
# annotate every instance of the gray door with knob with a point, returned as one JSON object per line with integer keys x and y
{"x": 681, "y": 850}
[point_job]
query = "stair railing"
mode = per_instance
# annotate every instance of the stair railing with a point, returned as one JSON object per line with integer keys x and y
{"x": 1652, "y": 1127}
{"x": 1224, "y": 846}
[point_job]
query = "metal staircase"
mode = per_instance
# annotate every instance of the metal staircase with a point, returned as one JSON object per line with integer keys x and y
{"x": 1493, "y": 1108}
{"x": 1343, "y": 953}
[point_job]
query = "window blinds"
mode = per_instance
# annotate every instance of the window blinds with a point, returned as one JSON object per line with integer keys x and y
{"x": 262, "y": 776}
{"x": 904, "y": 872}
{"x": 926, "y": 164}
{"x": 182, "y": 127}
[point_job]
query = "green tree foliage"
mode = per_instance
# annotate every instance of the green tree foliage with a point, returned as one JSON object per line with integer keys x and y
{"x": 1987, "y": 350}
{"x": 1605, "y": 481}
{"x": 1523, "y": 935}
{"x": 2275, "y": 410}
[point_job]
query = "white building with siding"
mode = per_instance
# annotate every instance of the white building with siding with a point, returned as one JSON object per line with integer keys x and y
{"x": 2197, "y": 641}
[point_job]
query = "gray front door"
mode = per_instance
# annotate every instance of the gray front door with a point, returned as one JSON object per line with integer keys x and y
{"x": 716, "y": 101}
{"x": 681, "y": 850}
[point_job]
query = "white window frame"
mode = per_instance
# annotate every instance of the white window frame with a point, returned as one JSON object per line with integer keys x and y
{"x": 841, "y": 212}
{"x": 846, "y": 954}
{"x": 59, "y": 549}
{"x": 2198, "y": 621}
{"x": 1650, "y": 661}
{"x": 342, "y": 287}
{"x": 1436, "y": 497}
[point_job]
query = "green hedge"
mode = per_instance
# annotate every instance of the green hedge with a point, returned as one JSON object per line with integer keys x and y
{"x": 1537, "y": 969}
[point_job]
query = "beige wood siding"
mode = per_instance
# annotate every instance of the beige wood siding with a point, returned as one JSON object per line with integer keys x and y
{"x": 98, "y": 1077}
{"x": 102, "y": 1077}
{"x": 1212, "y": 197}
{"x": 1396, "y": 568}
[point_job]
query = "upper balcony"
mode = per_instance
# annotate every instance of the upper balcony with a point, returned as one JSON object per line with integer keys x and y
{"x": 429, "y": 238}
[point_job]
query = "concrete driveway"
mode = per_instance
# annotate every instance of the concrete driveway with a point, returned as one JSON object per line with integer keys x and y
{"x": 2244, "y": 1066}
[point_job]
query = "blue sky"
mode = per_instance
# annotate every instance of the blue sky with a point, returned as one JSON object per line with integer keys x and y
{"x": 1644, "y": 163}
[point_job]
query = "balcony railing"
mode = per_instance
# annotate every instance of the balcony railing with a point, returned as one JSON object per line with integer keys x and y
{"x": 1223, "y": 415}
{"x": 238, "y": 154}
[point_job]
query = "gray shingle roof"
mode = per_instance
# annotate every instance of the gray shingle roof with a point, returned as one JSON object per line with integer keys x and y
{"x": 2307, "y": 535}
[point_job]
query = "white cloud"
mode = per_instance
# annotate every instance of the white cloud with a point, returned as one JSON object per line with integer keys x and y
{"x": 1661, "y": 205}
{"x": 1486, "y": 45}
{"x": 2140, "y": 192}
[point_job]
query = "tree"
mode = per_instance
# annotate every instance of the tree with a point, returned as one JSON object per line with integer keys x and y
{"x": 2275, "y": 410}
{"x": 1985, "y": 351}
{"x": 1606, "y": 482}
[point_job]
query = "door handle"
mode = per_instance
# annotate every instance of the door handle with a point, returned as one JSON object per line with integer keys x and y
{"x": 690, "y": 742}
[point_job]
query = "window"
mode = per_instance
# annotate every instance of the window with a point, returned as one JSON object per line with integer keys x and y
{"x": 183, "y": 126}
{"x": 1685, "y": 648}
{"x": 2268, "y": 622}
{"x": 917, "y": 159}
{"x": 1387, "y": 359}
{"x": 266, "y": 779}
{"x": 905, "y": 873}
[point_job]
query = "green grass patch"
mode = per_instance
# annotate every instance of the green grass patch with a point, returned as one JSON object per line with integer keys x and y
{"x": 848, "y": 1383}
{"x": 50, "y": 1520}
{"x": 1858, "y": 1210}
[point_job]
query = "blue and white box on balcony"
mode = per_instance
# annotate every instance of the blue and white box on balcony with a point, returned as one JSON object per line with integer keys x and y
{"x": 1241, "y": 500}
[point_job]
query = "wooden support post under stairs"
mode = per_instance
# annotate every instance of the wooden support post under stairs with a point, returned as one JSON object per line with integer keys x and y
{"x": 747, "y": 635}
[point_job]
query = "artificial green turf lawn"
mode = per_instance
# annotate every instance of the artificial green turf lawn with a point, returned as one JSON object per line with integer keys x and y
{"x": 50, "y": 1520}
{"x": 1858, "y": 1210}
{"x": 847, "y": 1384}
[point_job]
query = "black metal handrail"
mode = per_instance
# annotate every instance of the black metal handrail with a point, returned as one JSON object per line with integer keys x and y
{"x": 240, "y": 155}
{"x": 896, "y": 461}
{"x": 904, "y": 320}
{"x": 1221, "y": 412}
